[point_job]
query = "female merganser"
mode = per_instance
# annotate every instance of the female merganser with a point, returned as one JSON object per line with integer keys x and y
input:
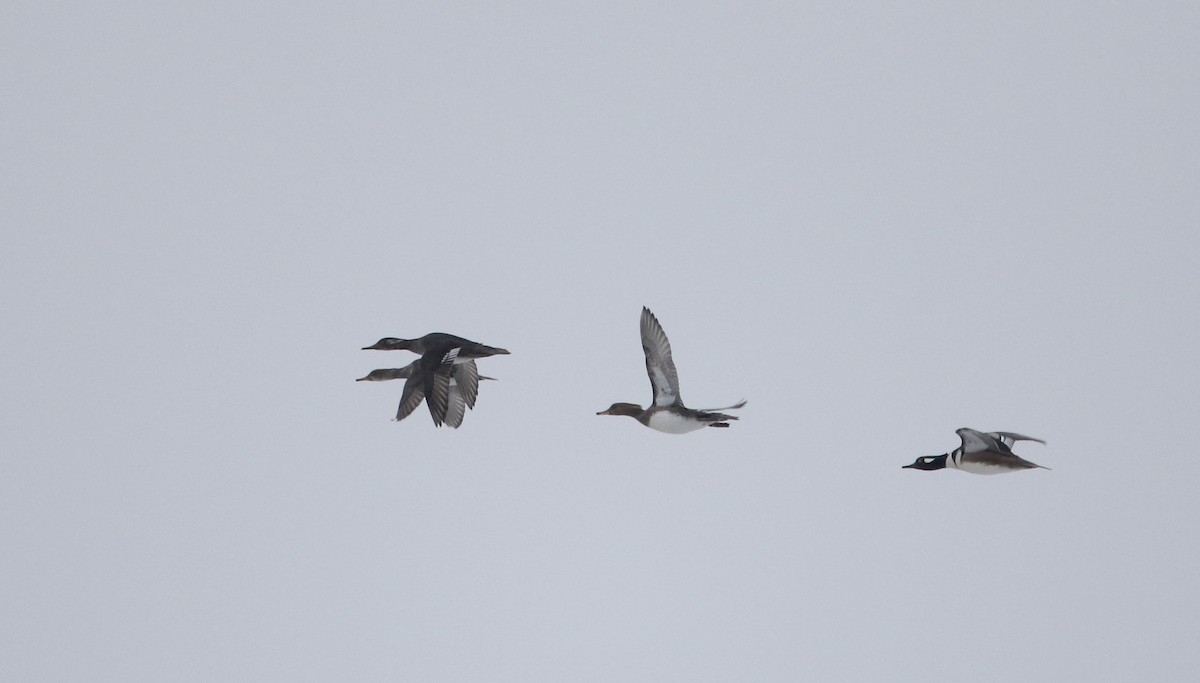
{"x": 437, "y": 342}
{"x": 667, "y": 412}
{"x": 430, "y": 377}
{"x": 464, "y": 387}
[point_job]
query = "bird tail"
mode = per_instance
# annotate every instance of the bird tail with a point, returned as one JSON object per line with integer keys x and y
{"x": 735, "y": 406}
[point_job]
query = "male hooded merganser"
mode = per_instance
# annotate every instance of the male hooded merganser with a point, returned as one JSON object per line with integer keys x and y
{"x": 438, "y": 342}
{"x": 464, "y": 387}
{"x": 980, "y": 453}
{"x": 667, "y": 412}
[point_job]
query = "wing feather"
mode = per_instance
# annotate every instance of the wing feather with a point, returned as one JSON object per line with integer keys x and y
{"x": 411, "y": 397}
{"x": 1002, "y": 442}
{"x": 437, "y": 386}
{"x": 976, "y": 442}
{"x": 1009, "y": 438}
{"x": 664, "y": 380}
{"x": 466, "y": 377}
{"x": 457, "y": 408}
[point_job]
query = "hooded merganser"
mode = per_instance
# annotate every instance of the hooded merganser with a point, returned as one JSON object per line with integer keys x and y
{"x": 667, "y": 412}
{"x": 980, "y": 453}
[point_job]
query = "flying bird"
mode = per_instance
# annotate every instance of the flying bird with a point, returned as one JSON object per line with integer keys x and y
{"x": 438, "y": 342}
{"x": 980, "y": 453}
{"x": 666, "y": 412}
{"x": 464, "y": 387}
{"x": 432, "y": 376}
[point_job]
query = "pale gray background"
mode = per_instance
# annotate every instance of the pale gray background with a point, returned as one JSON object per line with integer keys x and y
{"x": 877, "y": 222}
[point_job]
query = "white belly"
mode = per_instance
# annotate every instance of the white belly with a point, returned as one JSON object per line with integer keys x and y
{"x": 977, "y": 468}
{"x": 671, "y": 423}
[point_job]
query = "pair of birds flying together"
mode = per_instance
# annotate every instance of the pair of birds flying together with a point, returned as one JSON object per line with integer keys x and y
{"x": 446, "y": 377}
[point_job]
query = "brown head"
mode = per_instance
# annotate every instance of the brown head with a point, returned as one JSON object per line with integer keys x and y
{"x": 389, "y": 344}
{"x": 630, "y": 409}
{"x": 385, "y": 374}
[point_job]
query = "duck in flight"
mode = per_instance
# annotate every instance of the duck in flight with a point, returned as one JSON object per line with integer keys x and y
{"x": 980, "y": 453}
{"x": 666, "y": 412}
{"x": 464, "y": 387}
{"x": 438, "y": 342}
{"x": 432, "y": 376}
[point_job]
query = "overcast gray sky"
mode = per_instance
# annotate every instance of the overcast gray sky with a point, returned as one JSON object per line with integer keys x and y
{"x": 878, "y": 222}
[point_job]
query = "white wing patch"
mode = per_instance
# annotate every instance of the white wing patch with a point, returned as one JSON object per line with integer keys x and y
{"x": 664, "y": 393}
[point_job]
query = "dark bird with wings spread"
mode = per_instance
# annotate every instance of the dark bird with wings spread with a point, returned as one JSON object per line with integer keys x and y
{"x": 463, "y": 388}
{"x": 445, "y": 376}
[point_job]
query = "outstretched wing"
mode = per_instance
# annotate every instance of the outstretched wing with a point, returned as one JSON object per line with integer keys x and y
{"x": 659, "y": 364}
{"x": 457, "y": 408}
{"x": 437, "y": 386}
{"x": 414, "y": 393}
{"x": 466, "y": 377}
{"x": 978, "y": 442}
{"x": 1009, "y": 438}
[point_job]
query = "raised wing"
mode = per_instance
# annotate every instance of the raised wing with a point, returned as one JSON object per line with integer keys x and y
{"x": 978, "y": 442}
{"x": 659, "y": 364}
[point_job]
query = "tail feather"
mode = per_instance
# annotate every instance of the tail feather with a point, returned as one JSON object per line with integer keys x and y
{"x": 735, "y": 406}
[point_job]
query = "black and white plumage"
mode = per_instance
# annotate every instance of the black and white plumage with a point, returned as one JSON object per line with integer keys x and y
{"x": 666, "y": 412}
{"x": 980, "y": 453}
